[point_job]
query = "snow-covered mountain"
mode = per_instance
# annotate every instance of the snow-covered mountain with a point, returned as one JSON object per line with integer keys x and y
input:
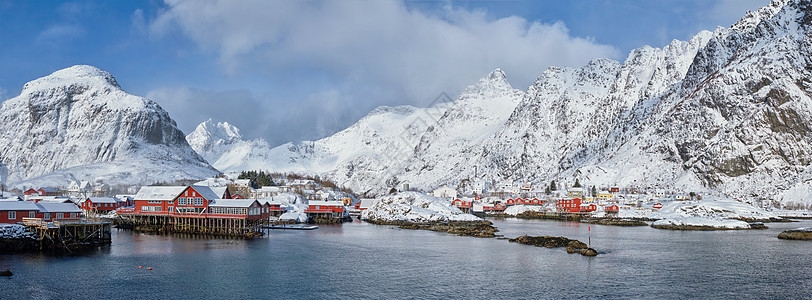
{"x": 78, "y": 124}
{"x": 727, "y": 111}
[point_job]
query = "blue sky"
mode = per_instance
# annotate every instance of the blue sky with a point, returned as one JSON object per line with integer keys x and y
{"x": 301, "y": 70}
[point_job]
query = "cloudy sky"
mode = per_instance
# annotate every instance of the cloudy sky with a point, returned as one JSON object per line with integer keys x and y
{"x": 302, "y": 70}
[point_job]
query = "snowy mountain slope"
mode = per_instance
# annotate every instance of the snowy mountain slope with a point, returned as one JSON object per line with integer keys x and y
{"x": 80, "y": 124}
{"x": 363, "y": 148}
{"x": 448, "y": 144}
{"x": 211, "y": 140}
{"x": 725, "y": 112}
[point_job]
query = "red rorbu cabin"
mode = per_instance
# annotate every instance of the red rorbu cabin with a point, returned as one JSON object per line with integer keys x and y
{"x": 463, "y": 205}
{"x": 101, "y": 204}
{"x": 328, "y": 209}
{"x": 12, "y": 212}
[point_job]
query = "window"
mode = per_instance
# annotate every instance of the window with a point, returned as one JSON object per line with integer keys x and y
{"x": 32, "y": 214}
{"x": 12, "y": 215}
{"x": 199, "y": 201}
{"x": 60, "y": 216}
{"x": 73, "y": 215}
{"x": 154, "y": 201}
{"x": 181, "y": 201}
{"x": 47, "y": 216}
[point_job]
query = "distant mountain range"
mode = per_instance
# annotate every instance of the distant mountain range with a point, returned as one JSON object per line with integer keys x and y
{"x": 725, "y": 112}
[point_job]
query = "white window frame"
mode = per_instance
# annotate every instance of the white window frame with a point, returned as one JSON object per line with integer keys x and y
{"x": 12, "y": 215}
{"x": 60, "y": 215}
{"x": 47, "y": 216}
{"x": 32, "y": 214}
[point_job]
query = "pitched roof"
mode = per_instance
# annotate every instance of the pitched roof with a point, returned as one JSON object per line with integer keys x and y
{"x": 206, "y": 192}
{"x": 326, "y": 203}
{"x": 102, "y": 199}
{"x": 220, "y": 191}
{"x": 58, "y": 208}
{"x": 17, "y": 205}
{"x": 242, "y": 203}
{"x": 163, "y": 193}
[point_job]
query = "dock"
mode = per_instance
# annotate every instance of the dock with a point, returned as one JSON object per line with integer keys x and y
{"x": 69, "y": 235}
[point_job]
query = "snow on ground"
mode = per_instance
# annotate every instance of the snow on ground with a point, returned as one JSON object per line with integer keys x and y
{"x": 518, "y": 209}
{"x": 295, "y": 207}
{"x": 702, "y": 221}
{"x": 793, "y": 213}
{"x": 712, "y": 208}
{"x": 416, "y": 208}
{"x": 719, "y": 213}
{"x": 10, "y": 231}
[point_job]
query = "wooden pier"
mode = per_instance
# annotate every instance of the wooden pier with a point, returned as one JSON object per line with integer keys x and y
{"x": 232, "y": 227}
{"x": 69, "y": 235}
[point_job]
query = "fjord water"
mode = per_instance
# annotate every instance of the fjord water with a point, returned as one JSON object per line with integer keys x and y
{"x": 359, "y": 260}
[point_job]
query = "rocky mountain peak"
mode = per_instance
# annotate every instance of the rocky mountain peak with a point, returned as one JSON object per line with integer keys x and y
{"x": 75, "y": 75}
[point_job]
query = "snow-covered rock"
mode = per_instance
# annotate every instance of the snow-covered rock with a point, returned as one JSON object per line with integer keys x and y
{"x": 414, "y": 207}
{"x": 702, "y": 222}
{"x": 14, "y": 231}
{"x": 78, "y": 124}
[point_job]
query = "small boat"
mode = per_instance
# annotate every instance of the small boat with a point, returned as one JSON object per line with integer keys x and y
{"x": 6, "y": 273}
{"x": 293, "y": 227}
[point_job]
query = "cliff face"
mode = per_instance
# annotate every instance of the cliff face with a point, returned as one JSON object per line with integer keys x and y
{"x": 80, "y": 119}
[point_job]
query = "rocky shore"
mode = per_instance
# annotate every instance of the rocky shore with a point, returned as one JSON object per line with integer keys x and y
{"x": 796, "y": 234}
{"x": 706, "y": 227}
{"x": 483, "y": 229}
{"x": 615, "y": 222}
{"x": 573, "y": 246}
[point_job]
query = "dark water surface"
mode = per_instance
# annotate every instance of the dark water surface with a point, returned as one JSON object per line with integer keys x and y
{"x": 359, "y": 260}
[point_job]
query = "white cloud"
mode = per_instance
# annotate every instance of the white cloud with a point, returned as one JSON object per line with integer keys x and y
{"x": 373, "y": 52}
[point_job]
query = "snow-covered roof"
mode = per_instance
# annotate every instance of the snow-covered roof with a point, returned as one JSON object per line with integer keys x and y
{"x": 58, "y": 208}
{"x": 220, "y": 191}
{"x": 270, "y": 201}
{"x": 242, "y": 181}
{"x": 325, "y": 203}
{"x": 49, "y": 189}
{"x": 232, "y": 203}
{"x": 102, "y": 200}
{"x": 269, "y": 189}
{"x": 206, "y": 192}
{"x": 164, "y": 193}
{"x": 17, "y": 205}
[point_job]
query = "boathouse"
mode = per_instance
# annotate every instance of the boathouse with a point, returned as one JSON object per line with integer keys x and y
{"x": 325, "y": 209}
{"x": 12, "y": 212}
{"x": 100, "y": 204}
{"x": 50, "y": 212}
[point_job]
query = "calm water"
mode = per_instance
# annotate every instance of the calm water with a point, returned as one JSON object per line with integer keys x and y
{"x": 359, "y": 260}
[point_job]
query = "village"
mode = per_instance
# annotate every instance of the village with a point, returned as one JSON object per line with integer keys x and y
{"x": 245, "y": 207}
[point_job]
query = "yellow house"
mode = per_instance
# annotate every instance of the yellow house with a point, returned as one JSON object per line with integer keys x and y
{"x": 575, "y": 193}
{"x": 604, "y": 195}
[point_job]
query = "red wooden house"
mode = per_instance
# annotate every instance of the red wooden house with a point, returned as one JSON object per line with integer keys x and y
{"x": 589, "y": 207}
{"x": 510, "y": 202}
{"x": 329, "y": 209}
{"x": 12, "y": 212}
{"x": 50, "y": 212}
{"x": 465, "y": 205}
{"x": 235, "y": 208}
{"x": 611, "y": 208}
{"x": 100, "y": 204}
{"x": 31, "y": 192}
{"x": 571, "y": 205}
{"x": 498, "y": 207}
